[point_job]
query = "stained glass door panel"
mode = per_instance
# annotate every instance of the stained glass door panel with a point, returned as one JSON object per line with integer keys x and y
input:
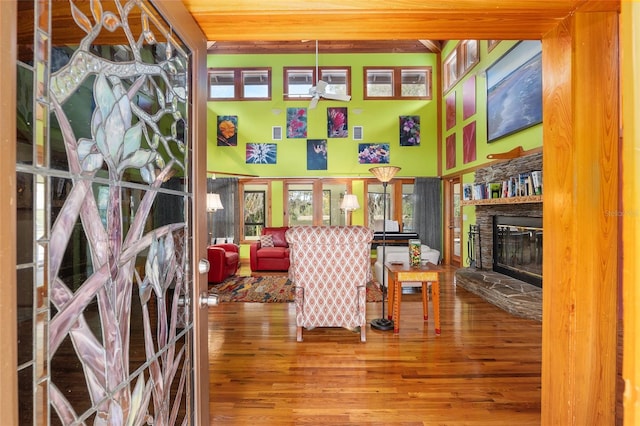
{"x": 104, "y": 215}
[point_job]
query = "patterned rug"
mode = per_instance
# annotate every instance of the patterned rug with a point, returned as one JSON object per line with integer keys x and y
{"x": 269, "y": 289}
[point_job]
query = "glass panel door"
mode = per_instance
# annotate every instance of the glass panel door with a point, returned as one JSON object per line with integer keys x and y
{"x": 453, "y": 219}
{"x": 332, "y": 195}
{"x": 300, "y": 204}
{"x": 105, "y": 216}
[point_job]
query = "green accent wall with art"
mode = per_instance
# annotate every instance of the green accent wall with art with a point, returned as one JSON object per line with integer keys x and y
{"x": 378, "y": 118}
{"x": 528, "y": 138}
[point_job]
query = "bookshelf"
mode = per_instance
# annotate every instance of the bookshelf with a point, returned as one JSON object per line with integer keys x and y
{"x": 503, "y": 200}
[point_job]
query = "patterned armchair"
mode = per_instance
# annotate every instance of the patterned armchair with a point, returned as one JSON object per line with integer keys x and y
{"x": 330, "y": 267}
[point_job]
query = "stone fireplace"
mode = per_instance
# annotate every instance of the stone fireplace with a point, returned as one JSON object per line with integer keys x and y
{"x": 506, "y": 246}
{"x": 521, "y": 246}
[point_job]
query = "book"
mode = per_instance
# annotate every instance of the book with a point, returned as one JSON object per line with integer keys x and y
{"x": 467, "y": 192}
{"x": 495, "y": 190}
{"x": 522, "y": 185}
{"x": 536, "y": 176}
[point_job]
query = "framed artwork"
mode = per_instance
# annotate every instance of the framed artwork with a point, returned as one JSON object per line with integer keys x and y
{"x": 227, "y": 130}
{"x": 469, "y": 143}
{"x": 410, "y": 130}
{"x": 373, "y": 153}
{"x": 450, "y": 110}
{"x": 514, "y": 90}
{"x": 469, "y": 97}
{"x": 337, "y": 122}
{"x": 261, "y": 153}
{"x": 316, "y": 154}
{"x": 491, "y": 44}
{"x": 451, "y": 151}
{"x": 296, "y": 123}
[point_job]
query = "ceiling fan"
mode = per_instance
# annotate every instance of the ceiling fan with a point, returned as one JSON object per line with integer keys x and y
{"x": 320, "y": 89}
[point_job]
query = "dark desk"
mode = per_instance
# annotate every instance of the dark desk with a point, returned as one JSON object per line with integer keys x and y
{"x": 394, "y": 238}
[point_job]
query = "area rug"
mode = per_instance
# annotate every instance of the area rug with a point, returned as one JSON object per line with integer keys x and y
{"x": 269, "y": 289}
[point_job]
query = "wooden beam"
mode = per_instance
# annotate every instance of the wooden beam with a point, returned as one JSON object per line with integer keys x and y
{"x": 580, "y": 198}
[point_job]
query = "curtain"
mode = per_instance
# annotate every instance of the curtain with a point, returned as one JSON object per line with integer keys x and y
{"x": 427, "y": 211}
{"x": 224, "y": 223}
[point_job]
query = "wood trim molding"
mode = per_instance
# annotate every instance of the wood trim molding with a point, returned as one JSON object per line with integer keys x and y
{"x": 580, "y": 268}
{"x": 630, "y": 213}
{"x": 8, "y": 297}
{"x": 190, "y": 33}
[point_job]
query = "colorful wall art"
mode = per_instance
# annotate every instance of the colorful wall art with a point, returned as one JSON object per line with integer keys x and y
{"x": 514, "y": 90}
{"x": 409, "y": 130}
{"x": 469, "y": 97}
{"x": 316, "y": 154}
{"x": 373, "y": 153}
{"x": 450, "y": 103}
{"x": 451, "y": 151}
{"x": 227, "y": 130}
{"x": 469, "y": 143}
{"x": 337, "y": 123}
{"x": 296, "y": 123}
{"x": 261, "y": 153}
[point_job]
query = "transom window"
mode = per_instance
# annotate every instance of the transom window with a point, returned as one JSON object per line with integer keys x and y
{"x": 459, "y": 62}
{"x": 397, "y": 83}
{"x": 240, "y": 84}
{"x": 298, "y": 81}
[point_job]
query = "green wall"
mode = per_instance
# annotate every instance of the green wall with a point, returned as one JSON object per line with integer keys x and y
{"x": 529, "y": 138}
{"x": 379, "y": 119}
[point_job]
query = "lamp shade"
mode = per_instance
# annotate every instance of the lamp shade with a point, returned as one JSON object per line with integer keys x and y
{"x": 384, "y": 173}
{"x": 349, "y": 202}
{"x": 213, "y": 202}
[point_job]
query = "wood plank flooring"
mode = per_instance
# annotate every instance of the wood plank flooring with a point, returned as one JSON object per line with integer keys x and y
{"x": 484, "y": 369}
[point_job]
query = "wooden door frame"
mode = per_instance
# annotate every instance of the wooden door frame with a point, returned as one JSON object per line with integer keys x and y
{"x": 8, "y": 222}
{"x": 189, "y": 31}
{"x": 579, "y": 378}
{"x": 196, "y": 42}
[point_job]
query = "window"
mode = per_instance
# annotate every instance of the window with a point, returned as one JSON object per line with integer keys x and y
{"x": 397, "y": 83}
{"x": 400, "y": 204}
{"x": 315, "y": 202}
{"x": 299, "y": 81}
{"x": 240, "y": 84}
{"x": 459, "y": 62}
{"x": 221, "y": 84}
{"x": 254, "y": 210}
{"x": 407, "y": 207}
{"x": 376, "y": 204}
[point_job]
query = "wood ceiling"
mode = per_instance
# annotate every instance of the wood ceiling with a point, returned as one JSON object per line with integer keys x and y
{"x": 331, "y": 46}
{"x": 249, "y": 26}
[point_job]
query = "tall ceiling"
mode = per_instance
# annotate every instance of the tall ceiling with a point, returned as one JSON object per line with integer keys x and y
{"x": 252, "y": 26}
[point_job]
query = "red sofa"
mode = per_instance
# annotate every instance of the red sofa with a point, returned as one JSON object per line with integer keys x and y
{"x": 274, "y": 258}
{"x": 223, "y": 261}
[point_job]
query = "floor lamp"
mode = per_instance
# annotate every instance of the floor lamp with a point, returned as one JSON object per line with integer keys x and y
{"x": 213, "y": 204}
{"x": 384, "y": 175}
{"x": 349, "y": 204}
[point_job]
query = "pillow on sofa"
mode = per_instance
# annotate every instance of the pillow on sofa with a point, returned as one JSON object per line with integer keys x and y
{"x": 266, "y": 240}
{"x": 278, "y": 234}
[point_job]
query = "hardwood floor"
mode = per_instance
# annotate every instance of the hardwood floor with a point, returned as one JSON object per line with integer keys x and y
{"x": 484, "y": 369}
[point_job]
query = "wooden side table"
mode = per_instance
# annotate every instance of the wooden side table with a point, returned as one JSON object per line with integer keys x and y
{"x": 399, "y": 272}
